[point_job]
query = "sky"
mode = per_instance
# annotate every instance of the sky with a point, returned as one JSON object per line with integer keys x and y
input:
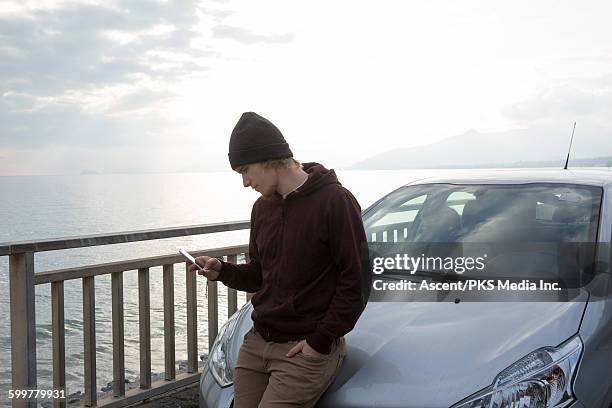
{"x": 158, "y": 85}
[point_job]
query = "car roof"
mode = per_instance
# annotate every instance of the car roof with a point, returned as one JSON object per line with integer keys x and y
{"x": 584, "y": 176}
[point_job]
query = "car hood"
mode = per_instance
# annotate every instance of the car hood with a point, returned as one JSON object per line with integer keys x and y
{"x": 416, "y": 354}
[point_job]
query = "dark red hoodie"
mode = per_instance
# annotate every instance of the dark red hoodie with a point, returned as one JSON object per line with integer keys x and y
{"x": 308, "y": 262}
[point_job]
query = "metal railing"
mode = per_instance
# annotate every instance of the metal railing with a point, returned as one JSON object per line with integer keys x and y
{"x": 23, "y": 279}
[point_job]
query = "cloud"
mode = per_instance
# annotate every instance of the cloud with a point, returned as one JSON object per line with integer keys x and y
{"x": 246, "y": 37}
{"x": 134, "y": 101}
{"x": 588, "y": 99}
{"x": 98, "y": 76}
{"x": 218, "y": 14}
{"x": 87, "y": 75}
{"x": 79, "y": 45}
{"x": 549, "y": 116}
{"x": 67, "y": 124}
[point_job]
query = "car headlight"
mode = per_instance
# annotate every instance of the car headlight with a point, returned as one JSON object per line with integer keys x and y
{"x": 543, "y": 379}
{"x": 222, "y": 369}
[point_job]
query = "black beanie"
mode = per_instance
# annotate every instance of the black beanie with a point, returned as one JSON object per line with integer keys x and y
{"x": 256, "y": 139}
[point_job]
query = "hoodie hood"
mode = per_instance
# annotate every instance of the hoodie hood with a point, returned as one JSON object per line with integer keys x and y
{"x": 318, "y": 177}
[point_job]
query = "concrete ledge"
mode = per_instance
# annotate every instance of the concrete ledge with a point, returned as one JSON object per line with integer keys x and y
{"x": 171, "y": 390}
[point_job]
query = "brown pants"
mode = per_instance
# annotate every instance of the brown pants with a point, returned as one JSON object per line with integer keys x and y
{"x": 265, "y": 378}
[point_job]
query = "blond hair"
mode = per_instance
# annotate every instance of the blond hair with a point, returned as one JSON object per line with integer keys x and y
{"x": 287, "y": 162}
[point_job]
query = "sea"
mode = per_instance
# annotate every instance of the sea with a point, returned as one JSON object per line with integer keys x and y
{"x": 41, "y": 207}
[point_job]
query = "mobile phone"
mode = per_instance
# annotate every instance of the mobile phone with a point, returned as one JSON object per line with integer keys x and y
{"x": 190, "y": 258}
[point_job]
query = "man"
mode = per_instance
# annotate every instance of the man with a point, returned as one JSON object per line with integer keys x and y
{"x": 308, "y": 266}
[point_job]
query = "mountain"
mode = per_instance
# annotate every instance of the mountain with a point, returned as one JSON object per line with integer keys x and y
{"x": 533, "y": 147}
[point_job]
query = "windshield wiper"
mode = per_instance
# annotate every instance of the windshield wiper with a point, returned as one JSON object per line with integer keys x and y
{"x": 439, "y": 276}
{"x": 394, "y": 274}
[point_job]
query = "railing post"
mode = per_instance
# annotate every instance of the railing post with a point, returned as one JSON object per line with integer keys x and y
{"x": 213, "y": 313}
{"x": 89, "y": 340}
{"x": 192, "y": 320}
{"x": 232, "y": 294}
{"x": 169, "y": 340}
{"x": 144, "y": 326}
{"x": 118, "y": 334}
{"x": 59, "y": 340}
{"x": 23, "y": 324}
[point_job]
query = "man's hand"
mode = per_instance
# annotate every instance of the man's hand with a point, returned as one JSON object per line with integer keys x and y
{"x": 211, "y": 266}
{"x": 305, "y": 349}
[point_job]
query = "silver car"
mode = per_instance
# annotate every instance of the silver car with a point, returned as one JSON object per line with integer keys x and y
{"x": 446, "y": 352}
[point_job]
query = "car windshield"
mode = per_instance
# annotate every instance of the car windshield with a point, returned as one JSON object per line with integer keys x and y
{"x": 539, "y": 230}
